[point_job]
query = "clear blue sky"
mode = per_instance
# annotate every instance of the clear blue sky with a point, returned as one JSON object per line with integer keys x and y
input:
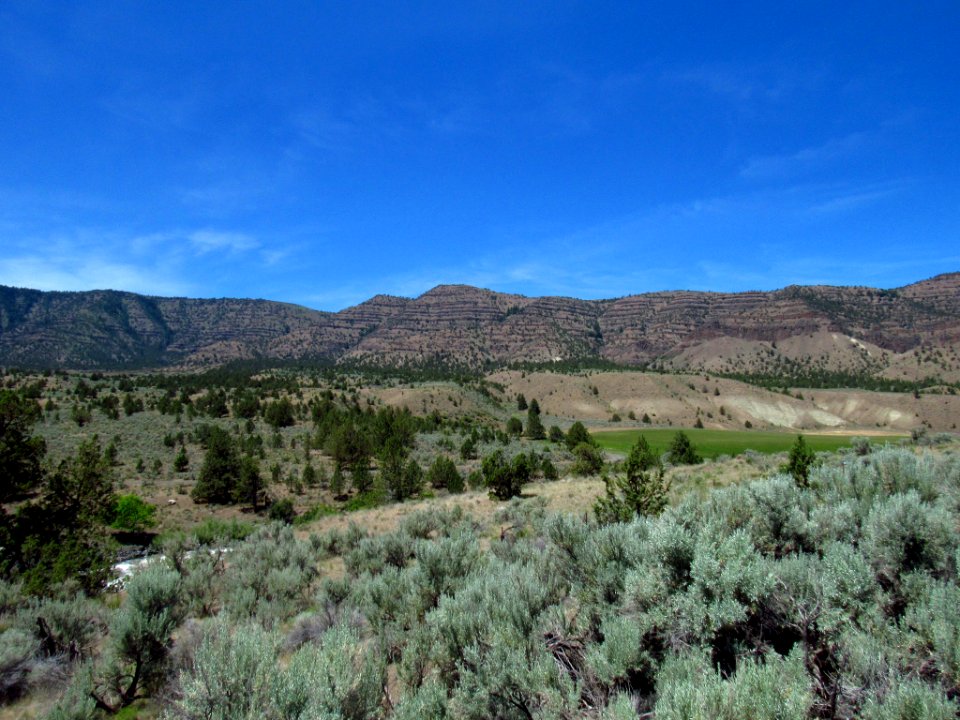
{"x": 320, "y": 153}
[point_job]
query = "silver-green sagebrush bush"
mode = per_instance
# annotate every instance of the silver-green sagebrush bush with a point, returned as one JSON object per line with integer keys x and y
{"x": 237, "y": 674}
{"x": 909, "y": 699}
{"x": 270, "y": 576}
{"x": 903, "y": 533}
{"x": 933, "y": 624}
{"x": 231, "y": 676}
{"x": 763, "y": 600}
{"x": 772, "y": 688}
{"x": 67, "y": 626}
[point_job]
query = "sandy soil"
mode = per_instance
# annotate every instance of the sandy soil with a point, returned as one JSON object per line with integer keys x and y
{"x": 680, "y": 400}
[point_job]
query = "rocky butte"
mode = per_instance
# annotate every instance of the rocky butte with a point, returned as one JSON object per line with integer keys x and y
{"x": 851, "y": 328}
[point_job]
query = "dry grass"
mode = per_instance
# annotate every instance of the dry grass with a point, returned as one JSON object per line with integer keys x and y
{"x": 572, "y": 495}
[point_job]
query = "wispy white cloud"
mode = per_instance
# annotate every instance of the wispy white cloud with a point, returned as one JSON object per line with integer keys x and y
{"x": 319, "y": 128}
{"x": 166, "y": 262}
{"x": 856, "y": 198}
{"x": 804, "y": 160}
{"x": 205, "y": 241}
{"x": 61, "y": 273}
{"x": 276, "y": 255}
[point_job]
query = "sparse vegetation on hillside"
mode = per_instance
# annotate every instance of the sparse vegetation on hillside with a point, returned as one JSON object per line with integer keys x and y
{"x": 824, "y": 594}
{"x": 763, "y": 600}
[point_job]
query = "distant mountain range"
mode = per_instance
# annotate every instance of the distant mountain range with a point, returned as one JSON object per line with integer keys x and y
{"x": 903, "y": 332}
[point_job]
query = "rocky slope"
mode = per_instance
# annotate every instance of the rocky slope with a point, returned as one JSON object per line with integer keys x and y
{"x": 850, "y": 329}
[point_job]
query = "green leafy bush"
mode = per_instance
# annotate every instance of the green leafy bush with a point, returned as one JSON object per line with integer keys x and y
{"x": 132, "y": 514}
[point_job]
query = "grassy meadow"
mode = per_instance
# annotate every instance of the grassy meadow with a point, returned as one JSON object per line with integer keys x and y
{"x": 713, "y": 443}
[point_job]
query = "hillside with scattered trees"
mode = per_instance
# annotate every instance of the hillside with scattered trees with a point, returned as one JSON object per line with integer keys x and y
{"x": 827, "y": 589}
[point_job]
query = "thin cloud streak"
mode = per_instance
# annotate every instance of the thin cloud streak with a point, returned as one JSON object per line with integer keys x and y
{"x": 205, "y": 241}
{"x": 804, "y": 160}
{"x": 74, "y": 274}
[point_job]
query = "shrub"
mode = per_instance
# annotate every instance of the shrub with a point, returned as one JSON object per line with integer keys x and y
{"x": 76, "y": 703}
{"x": 67, "y": 626}
{"x": 232, "y": 675}
{"x": 588, "y": 459}
{"x": 214, "y": 531}
{"x": 505, "y": 479}
{"x": 576, "y": 435}
{"x": 903, "y": 534}
{"x": 428, "y": 700}
{"x": 334, "y": 678}
{"x": 270, "y": 576}
{"x": 860, "y": 445}
{"x": 132, "y": 514}
{"x": 487, "y": 635}
{"x": 140, "y": 636}
{"x": 18, "y": 652}
{"x": 800, "y": 461}
{"x": 909, "y": 699}
{"x": 682, "y": 452}
{"x": 282, "y": 511}
{"x": 935, "y": 623}
{"x": 688, "y": 689}
{"x": 443, "y": 474}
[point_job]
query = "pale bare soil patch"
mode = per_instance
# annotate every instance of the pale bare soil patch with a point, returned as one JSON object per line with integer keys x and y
{"x": 892, "y": 411}
{"x": 680, "y": 400}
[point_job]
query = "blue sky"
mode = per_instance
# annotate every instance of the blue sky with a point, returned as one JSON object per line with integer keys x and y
{"x": 320, "y": 153}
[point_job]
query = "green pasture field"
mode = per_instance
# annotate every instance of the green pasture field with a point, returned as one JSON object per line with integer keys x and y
{"x": 711, "y": 443}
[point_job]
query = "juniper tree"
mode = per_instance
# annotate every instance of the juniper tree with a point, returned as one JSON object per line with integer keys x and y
{"x": 20, "y": 452}
{"x": 578, "y": 434}
{"x": 503, "y": 478}
{"x": 140, "y": 637}
{"x": 220, "y": 472}
{"x": 800, "y": 461}
{"x": 589, "y": 460}
{"x": 641, "y": 493}
{"x": 181, "y": 462}
{"x": 337, "y": 481}
{"x": 682, "y": 451}
{"x": 443, "y": 475}
{"x": 250, "y": 484}
{"x": 535, "y": 429}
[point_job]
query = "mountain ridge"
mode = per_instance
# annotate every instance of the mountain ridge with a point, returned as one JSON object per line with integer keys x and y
{"x": 475, "y": 327}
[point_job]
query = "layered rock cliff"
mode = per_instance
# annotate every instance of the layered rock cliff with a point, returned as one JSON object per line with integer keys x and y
{"x": 463, "y": 325}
